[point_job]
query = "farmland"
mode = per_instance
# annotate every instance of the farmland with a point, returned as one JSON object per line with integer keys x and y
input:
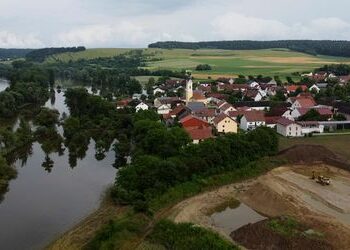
{"x": 227, "y": 63}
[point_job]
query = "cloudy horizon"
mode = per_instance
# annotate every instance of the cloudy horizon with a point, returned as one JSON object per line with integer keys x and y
{"x": 136, "y": 23}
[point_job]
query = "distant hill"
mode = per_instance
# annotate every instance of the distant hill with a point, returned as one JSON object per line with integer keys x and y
{"x": 314, "y": 47}
{"x": 40, "y": 55}
{"x": 13, "y": 53}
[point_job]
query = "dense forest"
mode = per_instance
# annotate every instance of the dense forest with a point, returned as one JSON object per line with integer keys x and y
{"x": 40, "y": 55}
{"x": 13, "y": 53}
{"x": 314, "y": 47}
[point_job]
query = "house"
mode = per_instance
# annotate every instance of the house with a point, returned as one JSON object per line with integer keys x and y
{"x": 254, "y": 94}
{"x": 198, "y": 96}
{"x": 199, "y": 134}
{"x": 288, "y": 128}
{"x": 166, "y": 100}
{"x": 253, "y": 84}
{"x": 123, "y": 103}
{"x": 192, "y": 121}
{"x": 206, "y": 114}
{"x": 159, "y": 90}
{"x": 164, "y": 109}
{"x": 324, "y": 112}
{"x": 262, "y": 105}
{"x": 197, "y": 128}
{"x": 271, "y": 121}
{"x": 195, "y": 106}
{"x": 309, "y": 127}
{"x": 344, "y": 79}
{"x": 293, "y": 88}
{"x": 253, "y": 119}
{"x": 226, "y": 107}
{"x": 303, "y": 102}
{"x": 141, "y": 106}
{"x": 225, "y": 124}
{"x": 314, "y": 88}
{"x": 179, "y": 112}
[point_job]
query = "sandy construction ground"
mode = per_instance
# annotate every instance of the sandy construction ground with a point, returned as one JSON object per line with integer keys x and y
{"x": 286, "y": 190}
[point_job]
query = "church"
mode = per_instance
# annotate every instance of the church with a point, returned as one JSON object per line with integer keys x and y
{"x": 194, "y": 95}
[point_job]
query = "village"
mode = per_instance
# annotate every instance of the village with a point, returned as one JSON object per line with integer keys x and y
{"x": 204, "y": 111}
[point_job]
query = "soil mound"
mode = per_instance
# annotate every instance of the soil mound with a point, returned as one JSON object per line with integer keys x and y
{"x": 305, "y": 154}
{"x": 259, "y": 236}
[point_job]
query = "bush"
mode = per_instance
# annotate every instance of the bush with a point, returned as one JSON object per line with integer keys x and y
{"x": 187, "y": 236}
{"x": 203, "y": 67}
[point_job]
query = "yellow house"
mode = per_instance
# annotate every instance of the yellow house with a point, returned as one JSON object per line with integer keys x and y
{"x": 225, "y": 124}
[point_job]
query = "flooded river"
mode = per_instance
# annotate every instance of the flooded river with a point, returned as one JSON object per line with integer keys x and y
{"x": 40, "y": 205}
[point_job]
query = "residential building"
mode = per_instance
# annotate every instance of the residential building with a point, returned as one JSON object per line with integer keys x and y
{"x": 288, "y": 128}
{"x": 141, "y": 106}
{"x": 225, "y": 124}
{"x": 251, "y": 120}
{"x": 164, "y": 109}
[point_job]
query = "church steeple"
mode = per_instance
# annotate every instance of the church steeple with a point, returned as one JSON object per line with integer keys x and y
{"x": 189, "y": 90}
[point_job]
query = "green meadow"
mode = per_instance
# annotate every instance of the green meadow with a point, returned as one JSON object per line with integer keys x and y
{"x": 224, "y": 63}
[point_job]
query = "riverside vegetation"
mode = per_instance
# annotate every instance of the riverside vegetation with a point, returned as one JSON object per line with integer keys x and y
{"x": 164, "y": 168}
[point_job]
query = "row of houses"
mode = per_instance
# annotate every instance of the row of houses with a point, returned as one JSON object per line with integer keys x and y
{"x": 204, "y": 112}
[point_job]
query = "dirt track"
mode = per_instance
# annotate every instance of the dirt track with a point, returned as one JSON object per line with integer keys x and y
{"x": 284, "y": 191}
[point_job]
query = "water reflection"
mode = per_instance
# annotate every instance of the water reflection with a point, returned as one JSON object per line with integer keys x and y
{"x": 230, "y": 219}
{"x": 57, "y": 185}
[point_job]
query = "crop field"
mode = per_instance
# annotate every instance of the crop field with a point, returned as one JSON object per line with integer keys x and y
{"x": 224, "y": 63}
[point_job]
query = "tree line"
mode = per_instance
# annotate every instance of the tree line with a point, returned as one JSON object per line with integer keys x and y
{"x": 313, "y": 47}
{"x": 39, "y": 55}
{"x": 163, "y": 157}
{"x": 13, "y": 53}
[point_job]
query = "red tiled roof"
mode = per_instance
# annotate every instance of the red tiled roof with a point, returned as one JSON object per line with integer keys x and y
{"x": 237, "y": 113}
{"x": 293, "y": 88}
{"x": 205, "y": 112}
{"x": 284, "y": 121}
{"x": 217, "y": 95}
{"x": 177, "y": 110}
{"x": 226, "y": 106}
{"x": 321, "y": 111}
{"x": 255, "y": 116}
{"x": 220, "y": 117}
{"x": 204, "y": 88}
{"x": 306, "y": 102}
{"x": 251, "y": 93}
{"x": 200, "y": 133}
{"x": 271, "y": 119}
{"x": 198, "y": 95}
{"x": 191, "y": 121}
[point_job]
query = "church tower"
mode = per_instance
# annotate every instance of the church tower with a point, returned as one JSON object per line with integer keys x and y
{"x": 189, "y": 90}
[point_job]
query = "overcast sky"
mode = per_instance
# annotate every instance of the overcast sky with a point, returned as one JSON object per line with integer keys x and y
{"x": 136, "y": 23}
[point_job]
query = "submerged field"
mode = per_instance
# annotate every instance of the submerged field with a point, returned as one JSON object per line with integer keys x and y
{"x": 227, "y": 63}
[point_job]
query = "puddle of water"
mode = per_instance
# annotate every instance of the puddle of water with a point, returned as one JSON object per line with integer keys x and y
{"x": 231, "y": 219}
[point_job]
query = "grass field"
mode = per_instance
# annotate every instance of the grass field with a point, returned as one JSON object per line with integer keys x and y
{"x": 227, "y": 63}
{"x": 339, "y": 144}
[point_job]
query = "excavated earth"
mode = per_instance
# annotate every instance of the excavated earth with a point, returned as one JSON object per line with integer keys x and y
{"x": 287, "y": 190}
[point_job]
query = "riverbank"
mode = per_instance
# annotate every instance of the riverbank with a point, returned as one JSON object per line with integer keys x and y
{"x": 96, "y": 224}
{"x": 81, "y": 234}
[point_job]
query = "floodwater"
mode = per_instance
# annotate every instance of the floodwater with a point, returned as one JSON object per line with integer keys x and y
{"x": 231, "y": 219}
{"x": 41, "y": 205}
{"x": 3, "y": 84}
